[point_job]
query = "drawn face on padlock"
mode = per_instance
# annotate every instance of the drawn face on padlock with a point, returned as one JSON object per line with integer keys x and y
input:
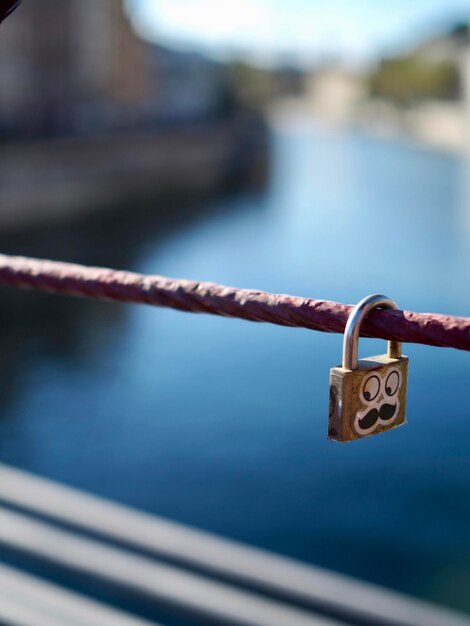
{"x": 367, "y": 396}
{"x": 380, "y": 395}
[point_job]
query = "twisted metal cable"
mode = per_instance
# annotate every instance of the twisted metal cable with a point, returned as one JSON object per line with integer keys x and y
{"x": 257, "y": 306}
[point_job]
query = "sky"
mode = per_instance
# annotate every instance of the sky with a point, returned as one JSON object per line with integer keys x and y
{"x": 301, "y": 30}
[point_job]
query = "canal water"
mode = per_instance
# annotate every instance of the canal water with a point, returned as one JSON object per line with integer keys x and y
{"x": 221, "y": 424}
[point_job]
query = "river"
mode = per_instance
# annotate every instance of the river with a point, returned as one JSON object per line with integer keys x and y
{"x": 221, "y": 424}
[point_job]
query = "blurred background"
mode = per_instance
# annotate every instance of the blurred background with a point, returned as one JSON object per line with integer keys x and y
{"x": 297, "y": 147}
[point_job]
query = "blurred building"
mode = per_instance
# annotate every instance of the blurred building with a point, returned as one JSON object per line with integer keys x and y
{"x": 70, "y": 66}
{"x": 70, "y": 63}
{"x": 333, "y": 93}
{"x": 445, "y": 47}
{"x": 104, "y": 116}
{"x": 188, "y": 86}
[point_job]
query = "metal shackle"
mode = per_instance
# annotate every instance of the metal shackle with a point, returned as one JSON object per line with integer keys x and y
{"x": 351, "y": 332}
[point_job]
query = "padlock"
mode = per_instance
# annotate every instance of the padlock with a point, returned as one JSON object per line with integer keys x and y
{"x": 367, "y": 396}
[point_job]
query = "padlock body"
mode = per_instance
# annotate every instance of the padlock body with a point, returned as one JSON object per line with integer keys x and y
{"x": 368, "y": 400}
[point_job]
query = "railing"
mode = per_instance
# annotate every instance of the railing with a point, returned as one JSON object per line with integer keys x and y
{"x": 195, "y": 573}
{"x": 192, "y": 572}
{"x": 257, "y": 306}
{"x": 28, "y": 601}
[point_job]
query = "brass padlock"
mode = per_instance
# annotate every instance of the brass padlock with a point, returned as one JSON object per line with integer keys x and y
{"x": 367, "y": 396}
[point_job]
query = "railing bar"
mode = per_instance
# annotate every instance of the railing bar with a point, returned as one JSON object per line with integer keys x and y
{"x": 259, "y": 569}
{"x": 164, "y": 583}
{"x": 27, "y": 601}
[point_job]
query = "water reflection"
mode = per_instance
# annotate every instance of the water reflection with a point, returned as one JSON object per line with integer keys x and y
{"x": 44, "y": 326}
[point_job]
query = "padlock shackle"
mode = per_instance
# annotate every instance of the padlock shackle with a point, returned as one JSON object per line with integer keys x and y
{"x": 351, "y": 332}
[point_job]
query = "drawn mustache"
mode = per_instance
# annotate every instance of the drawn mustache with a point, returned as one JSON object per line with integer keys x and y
{"x": 386, "y": 412}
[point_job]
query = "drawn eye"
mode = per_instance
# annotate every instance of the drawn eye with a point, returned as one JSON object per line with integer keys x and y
{"x": 371, "y": 388}
{"x": 392, "y": 382}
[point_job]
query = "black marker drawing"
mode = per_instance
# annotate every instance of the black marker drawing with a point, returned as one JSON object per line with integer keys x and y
{"x": 380, "y": 395}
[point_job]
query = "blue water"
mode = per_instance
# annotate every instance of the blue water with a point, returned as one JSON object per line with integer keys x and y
{"x": 221, "y": 424}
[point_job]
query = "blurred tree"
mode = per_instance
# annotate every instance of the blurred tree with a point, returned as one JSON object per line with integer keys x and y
{"x": 407, "y": 79}
{"x": 255, "y": 87}
{"x": 461, "y": 32}
{"x": 430, "y": 71}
